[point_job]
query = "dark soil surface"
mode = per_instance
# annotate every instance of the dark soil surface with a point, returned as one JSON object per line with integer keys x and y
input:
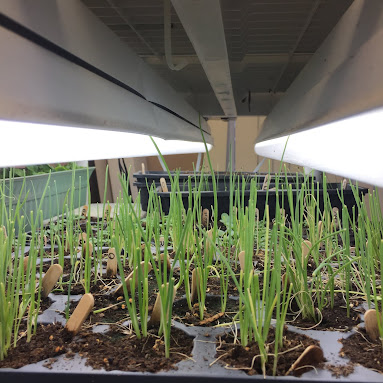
{"x": 332, "y": 318}
{"x": 182, "y": 313}
{"x": 360, "y": 349}
{"x": 242, "y": 358}
{"x": 111, "y": 351}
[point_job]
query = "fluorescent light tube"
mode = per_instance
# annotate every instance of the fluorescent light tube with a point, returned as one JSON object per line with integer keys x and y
{"x": 29, "y": 144}
{"x": 351, "y": 148}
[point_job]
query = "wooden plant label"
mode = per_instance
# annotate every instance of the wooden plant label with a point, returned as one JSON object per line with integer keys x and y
{"x": 194, "y": 285}
{"x": 208, "y": 239}
{"x": 162, "y": 241}
{"x": 45, "y": 240}
{"x": 143, "y": 168}
{"x": 371, "y": 324}
{"x": 111, "y": 265}
{"x": 344, "y": 184}
{"x": 107, "y": 211}
{"x": 82, "y": 238}
{"x": 205, "y": 217}
{"x": 164, "y": 187}
{"x": 241, "y": 258}
{"x": 311, "y": 356}
{"x": 257, "y": 214}
{"x": 120, "y": 288}
{"x": 84, "y": 248}
{"x": 25, "y": 263}
{"x": 80, "y": 313}
{"x": 155, "y": 318}
{"x": 265, "y": 182}
{"x": 335, "y": 212}
{"x": 162, "y": 260}
{"x": 50, "y": 279}
{"x": 306, "y": 247}
{"x": 84, "y": 211}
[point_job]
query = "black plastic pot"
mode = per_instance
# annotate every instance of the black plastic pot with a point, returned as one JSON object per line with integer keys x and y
{"x": 267, "y": 197}
{"x": 146, "y": 180}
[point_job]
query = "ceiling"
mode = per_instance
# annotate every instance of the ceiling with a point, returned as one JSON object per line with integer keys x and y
{"x": 268, "y": 43}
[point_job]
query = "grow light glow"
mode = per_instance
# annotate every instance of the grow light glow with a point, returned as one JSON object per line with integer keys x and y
{"x": 30, "y": 144}
{"x": 351, "y": 148}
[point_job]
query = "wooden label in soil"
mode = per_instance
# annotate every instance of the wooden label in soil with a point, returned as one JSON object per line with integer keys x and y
{"x": 194, "y": 285}
{"x": 335, "y": 213}
{"x": 241, "y": 258}
{"x": 162, "y": 241}
{"x": 164, "y": 187}
{"x": 311, "y": 356}
{"x": 265, "y": 182}
{"x": 80, "y": 313}
{"x": 111, "y": 265}
{"x": 84, "y": 211}
{"x": 82, "y": 238}
{"x": 371, "y": 324}
{"x": 155, "y": 318}
{"x": 205, "y": 217}
{"x": 344, "y": 184}
{"x": 142, "y": 168}
{"x": 87, "y": 246}
{"x": 25, "y": 263}
{"x": 162, "y": 260}
{"x": 50, "y": 279}
{"x": 107, "y": 211}
{"x": 306, "y": 247}
{"x": 208, "y": 239}
{"x": 120, "y": 288}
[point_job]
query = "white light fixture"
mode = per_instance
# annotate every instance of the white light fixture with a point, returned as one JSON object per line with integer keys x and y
{"x": 351, "y": 148}
{"x": 29, "y": 144}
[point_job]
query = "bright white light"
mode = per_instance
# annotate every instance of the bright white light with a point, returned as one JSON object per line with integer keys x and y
{"x": 351, "y": 148}
{"x": 28, "y": 144}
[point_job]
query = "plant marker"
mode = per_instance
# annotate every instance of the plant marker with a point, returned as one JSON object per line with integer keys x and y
{"x": 306, "y": 247}
{"x": 80, "y": 313}
{"x": 371, "y": 324}
{"x": 50, "y": 279}
{"x": 205, "y": 217}
{"x": 111, "y": 265}
{"x": 265, "y": 182}
{"x": 162, "y": 241}
{"x": 84, "y": 211}
{"x": 209, "y": 237}
{"x": 311, "y": 356}
{"x": 241, "y": 258}
{"x": 143, "y": 168}
{"x": 335, "y": 212}
{"x": 164, "y": 187}
{"x": 25, "y": 263}
{"x": 162, "y": 258}
{"x": 194, "y": 285}
{"x": 120, "y": 289}
{"x": 108, "y": 210}
{"x": 344, "y": 184}
{"x": 82, "y": 238}
{"x": 155, "y": 318}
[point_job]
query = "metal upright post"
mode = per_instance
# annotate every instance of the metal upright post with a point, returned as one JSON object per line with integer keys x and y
{"x": 230, "y": 143}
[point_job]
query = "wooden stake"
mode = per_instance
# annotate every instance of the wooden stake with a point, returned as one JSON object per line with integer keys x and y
{"x": 164, "y": 187}
{"x": 265, "y": 182}
{"x": 194, "y": 285}
{"x": 311, "y": 356}
{"x": 80, "y": 313}
{"x": 344, "y": 184}
{"x": 306, "y": 247}
{"x": 155, "y": 318}
{"x": 257, "y": 214}
{"x": 162, "y": 241}
{"x": 111, "y": 265}
{"x": 84, "y": 211}
{"x": 142, "y": 168}
{"x": 120, "y": 288}
{"x": 205, "y": 218}
{"x": 84, "y": 246}
{"x": 371, "y": 324}
{"x": 50, "y": 279}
